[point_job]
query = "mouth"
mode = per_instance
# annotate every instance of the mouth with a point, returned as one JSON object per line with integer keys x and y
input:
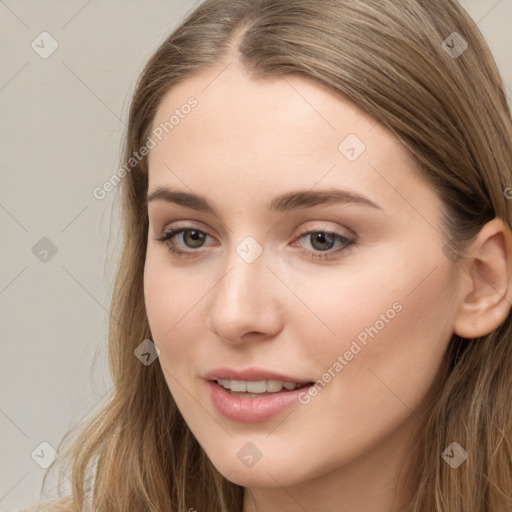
{"x": 259, "y": 388}
{"x": 254, "y": 401}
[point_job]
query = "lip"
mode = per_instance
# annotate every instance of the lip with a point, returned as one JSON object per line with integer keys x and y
{"x": 253, "y": 374}
{"x": 252, "y": 409}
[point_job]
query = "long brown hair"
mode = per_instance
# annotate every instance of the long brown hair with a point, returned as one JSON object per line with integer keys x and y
{"x": 396, "y": 61}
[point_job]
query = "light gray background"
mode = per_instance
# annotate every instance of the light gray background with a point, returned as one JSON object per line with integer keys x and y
{"x": 62, "y": 120}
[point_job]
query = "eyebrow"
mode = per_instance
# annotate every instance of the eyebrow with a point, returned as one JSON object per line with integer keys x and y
{"x": 283, "y": 203}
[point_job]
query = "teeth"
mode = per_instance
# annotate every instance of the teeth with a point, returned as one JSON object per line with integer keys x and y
{"x": 238, "y": 385}
{"x": 260, "y": 386}
{"x": 274, "y": 386}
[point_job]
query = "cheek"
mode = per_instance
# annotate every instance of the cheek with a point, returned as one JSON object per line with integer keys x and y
{"x": 175, "y": 310}
{"x": 392, "y": 327}
{"x": 169, "y": 293}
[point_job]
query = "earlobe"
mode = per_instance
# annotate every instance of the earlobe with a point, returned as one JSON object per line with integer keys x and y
{"x": 487, "y": 282}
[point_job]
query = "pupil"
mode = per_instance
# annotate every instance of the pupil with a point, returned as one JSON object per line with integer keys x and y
{"x": 322, "y": 238}
{"x": 196, "y": 237}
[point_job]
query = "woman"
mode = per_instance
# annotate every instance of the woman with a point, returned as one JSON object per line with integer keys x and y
{"x": 312, "y": 310}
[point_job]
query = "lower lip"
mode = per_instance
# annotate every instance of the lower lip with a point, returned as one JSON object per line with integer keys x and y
{"x": 252, "y": 409}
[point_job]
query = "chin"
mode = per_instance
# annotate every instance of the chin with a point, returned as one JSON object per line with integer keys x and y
{"x": 264, "y": 473}
{"x": 251, "y": 477}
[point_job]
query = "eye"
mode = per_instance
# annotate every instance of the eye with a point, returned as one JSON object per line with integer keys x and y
{"x": 322, "y": 243}
{"x": 192, "y": 238}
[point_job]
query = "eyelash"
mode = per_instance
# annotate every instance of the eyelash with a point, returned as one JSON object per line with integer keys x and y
{"x": 324, "y": 255}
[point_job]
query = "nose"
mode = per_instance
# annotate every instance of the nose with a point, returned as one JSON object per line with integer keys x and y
{"x": 246, "y": 302}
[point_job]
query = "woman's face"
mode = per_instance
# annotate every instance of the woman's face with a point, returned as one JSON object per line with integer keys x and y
{"x": 353, "y": 292}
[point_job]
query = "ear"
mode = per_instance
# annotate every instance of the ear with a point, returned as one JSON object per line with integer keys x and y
{"x": 486, "y": 285}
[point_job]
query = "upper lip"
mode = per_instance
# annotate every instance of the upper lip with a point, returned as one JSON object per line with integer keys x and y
{"x": 251, "y": 374}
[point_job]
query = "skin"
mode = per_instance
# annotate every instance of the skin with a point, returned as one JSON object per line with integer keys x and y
{"x": 246, "y": 142}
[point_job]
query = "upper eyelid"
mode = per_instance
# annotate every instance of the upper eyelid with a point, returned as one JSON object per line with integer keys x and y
{"x": 206, "y": 231}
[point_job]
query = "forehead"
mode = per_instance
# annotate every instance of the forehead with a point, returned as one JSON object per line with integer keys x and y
{"x": 290, "y": 130}
{"x": 229, "y": 98}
